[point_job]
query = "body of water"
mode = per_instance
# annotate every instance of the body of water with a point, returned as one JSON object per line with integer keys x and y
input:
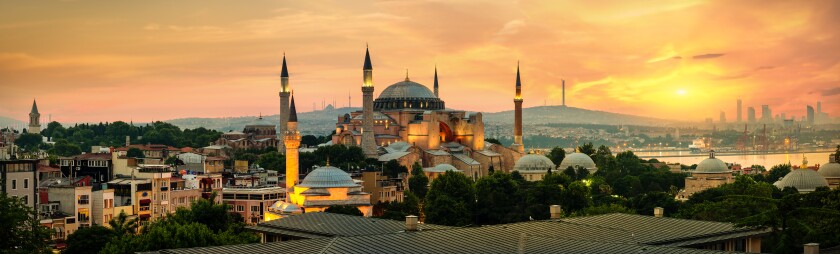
{"x": 766, "y": 160}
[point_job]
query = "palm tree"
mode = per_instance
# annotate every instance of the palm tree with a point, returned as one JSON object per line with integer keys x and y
{"x": 122, "y": 225}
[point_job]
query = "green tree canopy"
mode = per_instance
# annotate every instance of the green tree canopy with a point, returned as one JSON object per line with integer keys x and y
{"x": 777, "y": 172}
{"x": 272, "y": 161}
{"x": 88, "y": 240}
{"x": 557, "y": 155}
{"x": 21, "y": 231}
{"x": 344, "y": 209}
{"x": 450, "y": 200}
{"x": 65, "y": 149}
{"x": 135, "y": 153}
{"x": 29, "y": 142}
{"x": 498, "y": 199}
{"x": 419, "y": 182}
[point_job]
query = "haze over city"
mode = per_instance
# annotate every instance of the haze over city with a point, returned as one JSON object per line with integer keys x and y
{"x": 92, "y": 61}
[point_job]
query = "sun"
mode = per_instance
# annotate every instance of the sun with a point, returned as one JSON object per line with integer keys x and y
{"x": 681, "y": 92}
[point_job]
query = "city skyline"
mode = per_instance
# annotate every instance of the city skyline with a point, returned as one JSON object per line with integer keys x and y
{"x": 112, "y": 64}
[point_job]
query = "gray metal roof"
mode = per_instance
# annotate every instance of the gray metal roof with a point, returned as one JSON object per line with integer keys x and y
{"x": 577, "y": 160}
{"x": 331, "y": 224}
{"x": 406, "y": 89}
{"x": 830, "y": 170}
{"x": 712, "y": 165}
{"x": 533, "y": 162}
{"x": 525, "y": 237}
{"x": 804, "y": 180}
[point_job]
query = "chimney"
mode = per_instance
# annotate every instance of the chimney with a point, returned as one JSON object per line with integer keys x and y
{"x": 831, "y": 158}
{"x": 555, "y": 211}
{"x": 411, "y": 223}
{"x": 127, "y": 141}
{"x": 658, "y": 212}
{"x": 812, "y": 248}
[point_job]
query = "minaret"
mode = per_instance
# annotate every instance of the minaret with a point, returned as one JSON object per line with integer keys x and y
{"x": 291, "y": 139}
{"x": 34, "y": 119}
{"x": 564, "y": 92}
{"x": 436, "y": 83}
{"x": 284, "y": 102}
{"x": 368, "y": 141}
{"x": 517, "y": 116}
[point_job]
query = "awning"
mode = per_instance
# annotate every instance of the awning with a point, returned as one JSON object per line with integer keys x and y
{"x": 145, "y": 201}
{"x": 145, "y": 216}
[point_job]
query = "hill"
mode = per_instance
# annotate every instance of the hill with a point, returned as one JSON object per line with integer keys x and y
{"x": 13, "y": 123}
{"x": 320, "y": 122}
{"x": 560, "y": 114}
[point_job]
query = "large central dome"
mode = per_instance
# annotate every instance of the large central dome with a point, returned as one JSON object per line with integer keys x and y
{"x": 407, "y": 95}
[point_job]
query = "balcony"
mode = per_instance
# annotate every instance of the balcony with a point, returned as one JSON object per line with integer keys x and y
{"x": 84, "y": 201}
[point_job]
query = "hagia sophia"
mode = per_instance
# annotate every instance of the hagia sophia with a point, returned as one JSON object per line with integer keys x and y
{"x": 408, "y": 123}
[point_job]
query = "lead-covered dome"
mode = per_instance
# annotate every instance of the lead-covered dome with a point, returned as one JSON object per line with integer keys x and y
{"x": 712, "y": 165}
{"x": 407, "y": 95}
{"x": 533, "y": 162}
{"x": 578, "y": 160}
{"x": 804, "y": 180}
{"x": 327, "y": 177}
{"x": 830, "y": 170}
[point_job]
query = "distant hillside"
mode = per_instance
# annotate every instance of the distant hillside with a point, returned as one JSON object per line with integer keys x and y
{"x": 560, "y": 114}
{"x": 320, "y": 122}
{"x": 9, "y": 122}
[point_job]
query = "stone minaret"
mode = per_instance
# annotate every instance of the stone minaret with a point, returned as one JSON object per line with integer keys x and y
{"x": 564, "y": 92}
{"x": 285, "y": 90}
{"x": 291, "y": 139}
{"x": 34, "y": 119}
{"x": 517, "y": 115}
{"x": 436, "y": 83}
{"x": 368, "y": 141}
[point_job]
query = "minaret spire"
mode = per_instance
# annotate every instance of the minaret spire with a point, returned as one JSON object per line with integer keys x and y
{"x": 285, "y": 91}
{"x": 292, "y": 111}
{"x": 436, "y": 83}
{"x": 368, "y": 142}
{"x": 517, "y": 115}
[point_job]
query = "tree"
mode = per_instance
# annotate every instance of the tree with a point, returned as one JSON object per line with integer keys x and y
{"x": 575, "y": 197}
{"x": 587, "y": 148}
{"x": 570, "y": 172}
{"x": 309, "y": 140}
{"x": 65, "y": 149}
{"x": 557, "y": 155}
{"x": 450, "y": 200}
{"x": 272, "y": 161}
{"x": 418, "y": 183}
{"x": 88, "y": 239}
{"x": 344, "y": 209}
{"x": 604, "y": 209}
{"x": 135, "y": 152}
{"x": 777, "y": 172}
{"x": 581, "y": 173}
{"x": 21, "y": 231}
{"x": 122, "y": 225}
{"x": 29, "y": 141}
{"x": 498, "y": 199}
{"x": 644, "y": 203}
{"x": 393, "y": 168}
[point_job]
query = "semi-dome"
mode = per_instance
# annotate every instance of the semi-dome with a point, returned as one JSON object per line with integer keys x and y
{"x": 441, "y": 168}
{"x": 712, "y": 165}
{"x": 533, "y": 162}
{"x": 327, "y": 177}
{"x": 407, "y": 95}
{"x": 580, "y": 160}
{"x": 830, "y": 170}
{"x": 804, "y": 180}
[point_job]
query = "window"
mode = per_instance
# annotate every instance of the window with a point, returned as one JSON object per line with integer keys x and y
{"x": 240, "y": 208}
{"x": 255, "y": 208}
{"x": 14, "y": 184}
{"x": 25, "y": 199}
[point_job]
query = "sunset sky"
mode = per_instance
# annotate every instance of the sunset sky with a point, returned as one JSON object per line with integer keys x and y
{"x": 92, "y": 61}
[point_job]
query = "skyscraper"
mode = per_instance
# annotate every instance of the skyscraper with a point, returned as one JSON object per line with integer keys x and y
{"x": 739, "y": 110}
{"x": 766, "y": 115}
{"x": 722, "y": 117}
{"x": 810, "y": 113}
{"x": 818, "y": 116}
{"x": 751, "y": 114}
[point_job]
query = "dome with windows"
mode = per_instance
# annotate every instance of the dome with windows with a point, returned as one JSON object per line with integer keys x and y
{"x": 328, "y": 177}
{"x": 407, "y": 95}
{"x": 578, "y": 160}
{"x": 533, "y": 162}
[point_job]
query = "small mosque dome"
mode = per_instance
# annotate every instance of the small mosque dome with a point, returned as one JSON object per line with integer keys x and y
{"x": 804, "y": 180}
{"x": 533, "y": 162}
{"x": 580, "y": 160}
{"x": 327, "y": 177}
